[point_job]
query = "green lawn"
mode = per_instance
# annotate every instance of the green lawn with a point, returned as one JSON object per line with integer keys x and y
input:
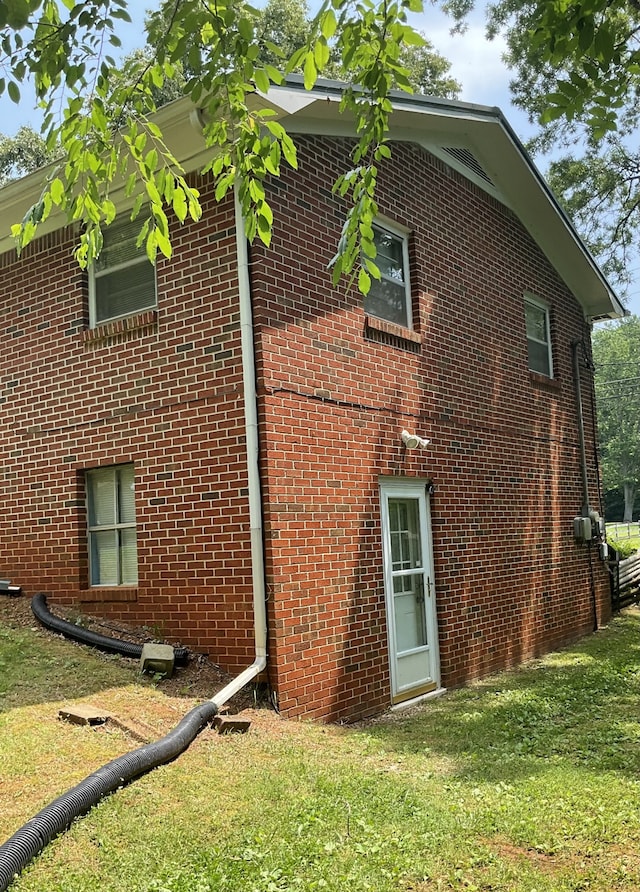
{"x": 529, "y": 781}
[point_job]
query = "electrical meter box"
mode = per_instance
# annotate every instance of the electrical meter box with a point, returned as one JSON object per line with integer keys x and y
{"x": 582, "y": 529}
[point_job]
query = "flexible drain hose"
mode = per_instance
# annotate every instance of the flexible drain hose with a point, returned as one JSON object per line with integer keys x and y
{"x": 103, "y": 642}
{"x": 30, "y": 839}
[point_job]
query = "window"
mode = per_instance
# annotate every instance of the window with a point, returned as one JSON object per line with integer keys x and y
{"x": 112, "y": 526}
{"x": 390, "y": 296}
{"x": 122, "y": 280}
{"x": 538, "y": 336}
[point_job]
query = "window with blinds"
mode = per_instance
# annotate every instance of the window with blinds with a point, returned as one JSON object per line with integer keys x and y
{"x": 538, "y": 336}
{"x": 112, "y": 526}
{"x": 389, "y": 297}
{"x": 122, "y": 281}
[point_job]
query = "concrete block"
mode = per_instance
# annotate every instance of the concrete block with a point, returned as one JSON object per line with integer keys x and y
{"x": 158, "y": 658}
{"x": 85, "y": 714}
{"x": 225, "y": 724}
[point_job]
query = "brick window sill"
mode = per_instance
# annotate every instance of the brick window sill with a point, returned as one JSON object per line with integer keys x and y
{"x": 544, "y": 383}
{"x": 109, "y": 594}
{"x": 120, "y": 328}
{"x": 392, "y": 330}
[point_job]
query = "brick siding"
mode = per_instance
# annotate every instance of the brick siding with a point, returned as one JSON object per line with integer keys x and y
{"x": 335, "y": 394}
{"x": 163, "y": 391}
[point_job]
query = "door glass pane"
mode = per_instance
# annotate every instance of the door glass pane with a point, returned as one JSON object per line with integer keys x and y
{"x": 404, "y": 523}
{"x": 409, "y": 609}
{"x": 104, "y": 557}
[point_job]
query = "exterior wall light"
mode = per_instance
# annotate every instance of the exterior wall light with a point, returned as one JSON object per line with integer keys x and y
{"x": 413, "y": 441}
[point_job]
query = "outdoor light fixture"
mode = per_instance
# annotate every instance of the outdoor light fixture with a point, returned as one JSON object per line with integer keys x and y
{"x": 413, "y": 441}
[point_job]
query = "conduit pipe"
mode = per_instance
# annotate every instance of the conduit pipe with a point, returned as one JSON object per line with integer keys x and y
{"x": 586, "y": 508}
{"x": 94, "y": 639}
{"x": 575, "y": 345}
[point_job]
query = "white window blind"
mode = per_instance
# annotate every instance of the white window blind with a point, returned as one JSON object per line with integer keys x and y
{"x": 122, "y": 282}
{"x": 112, "y": 526}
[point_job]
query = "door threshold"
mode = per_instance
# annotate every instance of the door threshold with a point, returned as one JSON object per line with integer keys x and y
{"x": 430, "y": 695}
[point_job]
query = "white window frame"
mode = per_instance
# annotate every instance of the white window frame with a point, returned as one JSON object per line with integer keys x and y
{"x": 94, "y": 274}
{"x": 539, "y": 304}
{"x": 402, "y": 234}
{"x": 115, "y": 527}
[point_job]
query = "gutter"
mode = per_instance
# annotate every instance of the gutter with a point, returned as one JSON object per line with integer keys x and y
{"x": 253, "y": 471}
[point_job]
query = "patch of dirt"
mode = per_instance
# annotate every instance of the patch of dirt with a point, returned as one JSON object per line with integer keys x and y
{"x": 542, "y": 861}
{"x": 199, "y": 679}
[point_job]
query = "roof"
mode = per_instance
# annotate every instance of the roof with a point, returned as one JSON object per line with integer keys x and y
{"x": 476, "y": 140}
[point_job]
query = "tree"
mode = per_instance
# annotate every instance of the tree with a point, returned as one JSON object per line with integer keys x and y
{"x": 576, "y": 67}
{"x": 22, "y": 154}
{"x": 63, "y": 47}
{"x": 616, "y": 354}
{"x": 281, "y": 28}
{"x": 600, "y": 191}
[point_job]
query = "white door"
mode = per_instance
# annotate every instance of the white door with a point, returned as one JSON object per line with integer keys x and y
{"x": 409, "y": 589}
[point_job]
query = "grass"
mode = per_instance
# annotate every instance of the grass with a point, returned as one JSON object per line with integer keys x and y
{"x": 528, "y": 781}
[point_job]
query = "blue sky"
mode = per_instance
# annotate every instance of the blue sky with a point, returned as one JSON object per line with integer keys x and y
{"x": 475, "y": 62}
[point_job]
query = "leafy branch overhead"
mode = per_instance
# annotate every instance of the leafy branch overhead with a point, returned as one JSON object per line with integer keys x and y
{"x": 576, "y": 72}
{"x": 218, "y": 53}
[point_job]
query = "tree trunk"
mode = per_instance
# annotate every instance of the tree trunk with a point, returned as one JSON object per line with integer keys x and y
{"x": 629, "y": 491}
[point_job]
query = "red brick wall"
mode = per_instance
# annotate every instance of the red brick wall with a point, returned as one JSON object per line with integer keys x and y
{"x": 165, "y": 394}
{"x": 511, "y": 582}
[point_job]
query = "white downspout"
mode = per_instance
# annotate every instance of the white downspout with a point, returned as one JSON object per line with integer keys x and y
{"x": 252, "y": 449}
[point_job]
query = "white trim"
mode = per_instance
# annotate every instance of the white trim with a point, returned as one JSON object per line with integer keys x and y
{"x": 411, "y": 488}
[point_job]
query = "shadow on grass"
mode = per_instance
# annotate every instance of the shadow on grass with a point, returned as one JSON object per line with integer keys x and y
{"x": 580, "y": 706}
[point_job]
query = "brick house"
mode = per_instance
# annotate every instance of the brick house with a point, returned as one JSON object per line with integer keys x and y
{"x": 273, "y": 427}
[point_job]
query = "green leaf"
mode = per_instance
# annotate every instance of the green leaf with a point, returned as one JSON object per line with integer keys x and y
{"x": 163, "y": 243}
{"x": 14, "y": 92}
{"x": 261, "y": 79}
{"x": 364, "y": 281}
{"x": 328, "y": 24}
{"x": 57, "y": 191}
{"x": 180, "y": 205}
{"x": 310, "y": 72}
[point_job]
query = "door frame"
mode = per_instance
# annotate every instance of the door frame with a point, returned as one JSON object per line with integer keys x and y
{"x": 411, "y": 488}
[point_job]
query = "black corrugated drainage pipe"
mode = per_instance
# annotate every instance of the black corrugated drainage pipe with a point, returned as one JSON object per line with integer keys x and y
{"x": 103, "y": 642}
{"x": 31, "y": 838}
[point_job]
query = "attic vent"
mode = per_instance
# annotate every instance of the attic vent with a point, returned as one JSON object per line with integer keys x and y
{"x": 468, "y": 160}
